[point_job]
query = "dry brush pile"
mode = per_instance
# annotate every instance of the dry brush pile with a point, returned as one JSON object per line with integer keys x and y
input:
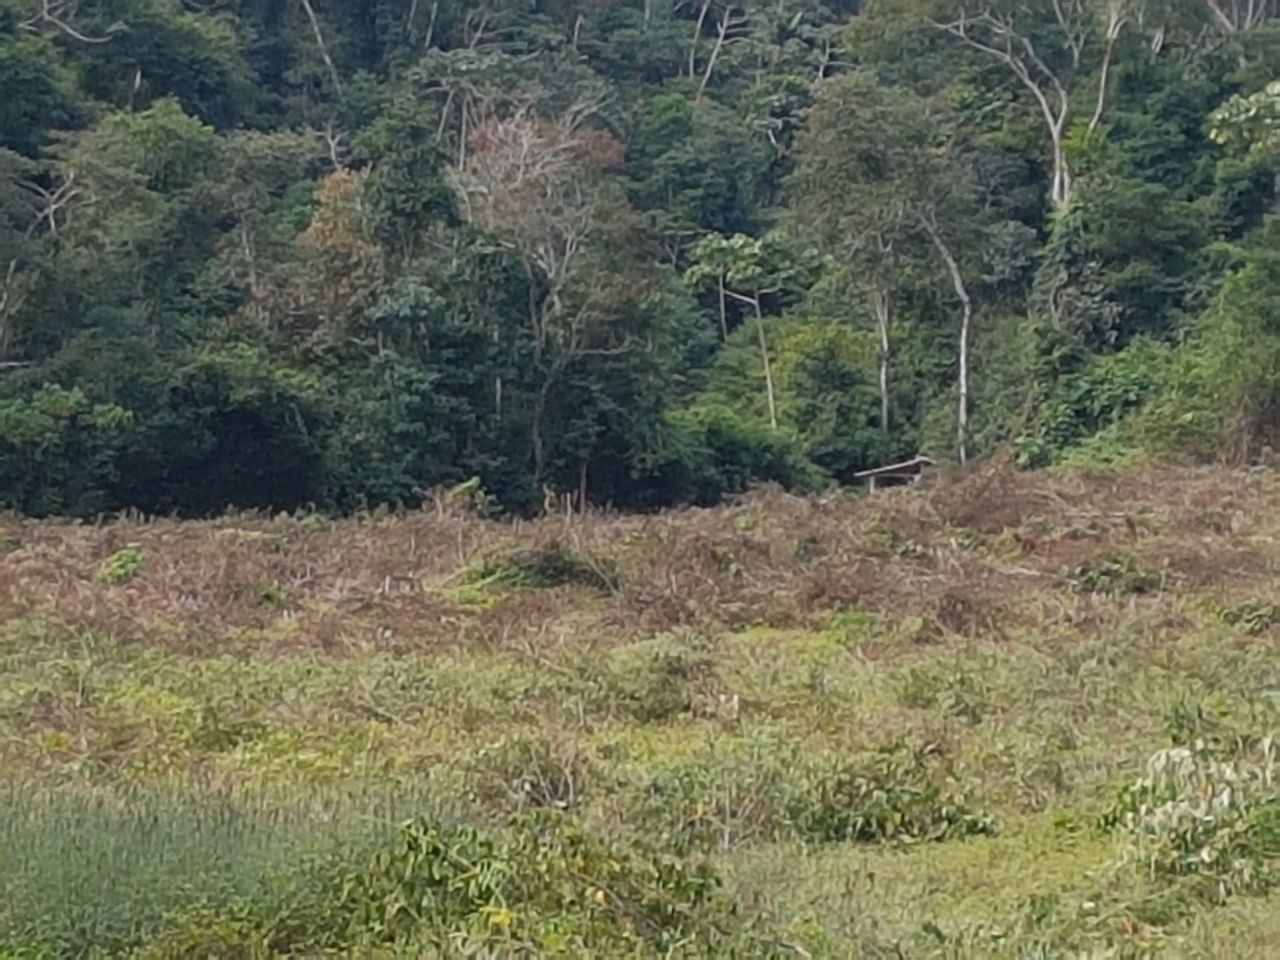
{"x": 966, "y": 555}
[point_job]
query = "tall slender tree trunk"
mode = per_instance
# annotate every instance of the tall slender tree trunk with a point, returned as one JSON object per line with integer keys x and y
{"x": 724, "y": 320}
{"x": 1060, "y": 192}
{"x": 722, "y": 31}
{"x": 324, "y": 49}
{"x": 1114, "y": 27}
{"x": 880, "y": 305}
{"x": 966, "y": 324}
{"x": 697, "y": 35}
{"x": 770, "y": 395}
{"x": 431, "y": 26}
{"x": 536, "y": 439}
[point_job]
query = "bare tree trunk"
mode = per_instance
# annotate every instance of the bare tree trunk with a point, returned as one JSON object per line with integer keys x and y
{"x": 431, "y": 26}
{"x": 462, "y": 136}
{"x": 535, "y": 429}
{"x": 966, "y": 323}
{"x": 722, "y": 32}
{"x": 1045, "y": 86}
{"x": 324, "y": 50}
{"x": 1115, "y": 26}
{"x": 724, "y": 321}
{"x": 697, "y": 35}
{"x": 445, "y": 112}
{"x": 10, "y": 301}
{"x": 770, "y": 397}
{"x": 1060, "y": 192}
{"x": 880, "y": 304}
{"x": 250, "y": 259}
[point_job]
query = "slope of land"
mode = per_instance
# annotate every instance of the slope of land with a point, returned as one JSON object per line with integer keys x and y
{"x": 917, "y": 724}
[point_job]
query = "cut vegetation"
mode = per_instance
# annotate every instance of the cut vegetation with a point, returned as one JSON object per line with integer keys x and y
{"x": 1008, "y": 716}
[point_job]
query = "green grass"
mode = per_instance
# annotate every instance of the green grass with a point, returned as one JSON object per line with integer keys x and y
{"x": 924, "y": 777}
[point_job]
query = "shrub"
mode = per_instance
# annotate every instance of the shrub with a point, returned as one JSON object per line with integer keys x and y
{"x": 658, "y": 679}
{"x": 59, "y": 452}
{"x": 529, "y": 770}
{"x": 543, "y": 886}
{"x": 900, "y": 793}
{"x": 553, "y": 564}
{"x": 710, "y": 452}
{"x": 1205, "y": 813}
{"x": 121, "y": 566}
{"x": 1091, "y": 399}
{"x": 957, "y": 692}
{"x": 1252, "y": 616}
{"x": 1118, "y": 574}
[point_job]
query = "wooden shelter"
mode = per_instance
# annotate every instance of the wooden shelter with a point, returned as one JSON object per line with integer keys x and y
{"x": 895, "y": 474}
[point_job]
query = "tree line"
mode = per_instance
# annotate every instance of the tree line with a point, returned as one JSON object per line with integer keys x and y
{"x": 280, "y": 253}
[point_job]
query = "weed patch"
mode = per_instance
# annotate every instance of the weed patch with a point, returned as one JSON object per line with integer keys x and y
{"x": 766, "y": 791}
{"x": 1207, "y": 815}
{"x": 122, "y": 566}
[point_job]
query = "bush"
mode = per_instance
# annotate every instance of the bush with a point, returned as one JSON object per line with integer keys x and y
{"x": 60, "y": 453}
{"x": 1206, "y": 813}
{"x": 710, "y": 452}
{"x": 121, "y": 566}
{"x": 1223, "y": 396}
{"x": 543, "y": 886}
{"x": 1118, "y": 574}
{"x": 82, "y": 872}
{"x": 529, "y": 770}
{"x": 1090, "y": 399}
{"x": 900, "y": 793}
{"x": 553, "y": 564}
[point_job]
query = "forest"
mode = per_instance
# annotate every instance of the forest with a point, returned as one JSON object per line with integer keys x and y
{"x": 339, "y": 253}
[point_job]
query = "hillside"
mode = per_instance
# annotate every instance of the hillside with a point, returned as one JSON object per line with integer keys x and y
{"x": 331, "y": 254}
{"x": 911, "y": 725}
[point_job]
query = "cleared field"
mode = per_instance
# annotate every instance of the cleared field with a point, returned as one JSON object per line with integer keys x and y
{"x": 914, "y": 725}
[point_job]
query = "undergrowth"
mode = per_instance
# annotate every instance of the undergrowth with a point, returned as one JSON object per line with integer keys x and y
{"x": 1008, "y": 717}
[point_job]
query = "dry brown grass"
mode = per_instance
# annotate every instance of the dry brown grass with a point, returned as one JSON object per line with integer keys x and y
{"x": 1036, "y": 636}
{"x": 964, "y": 554}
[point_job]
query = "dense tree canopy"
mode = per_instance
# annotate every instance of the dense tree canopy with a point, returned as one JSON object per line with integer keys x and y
{"x": 636, "y": 252}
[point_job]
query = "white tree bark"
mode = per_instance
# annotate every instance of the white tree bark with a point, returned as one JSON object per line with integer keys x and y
{"x": 880, "y": 306}
{"x": 966, "y": 324}
{"x": 324, "y": 49}
{"x": 770, "y": 396}
{"x": 997, "y": 36}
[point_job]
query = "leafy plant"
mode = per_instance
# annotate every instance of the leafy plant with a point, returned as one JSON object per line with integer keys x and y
{"x": 543, "y": 884}
{"x": 1118, "y": 574}
{"x": 1205, "y": 813}
{"x": 122, "y": 566}
{"x": 1252, "y": 616}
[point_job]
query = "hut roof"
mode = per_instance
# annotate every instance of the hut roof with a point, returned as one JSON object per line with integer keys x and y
{"x": 906, "y": 468}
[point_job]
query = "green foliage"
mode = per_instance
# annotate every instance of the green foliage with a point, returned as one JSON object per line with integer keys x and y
{"x": 122, "y": 566}
{"x": 341, "y": 254}
{"x": 542, "y": 884}
{"x": 1224, "y": 389}
{"x": 827, "y": 395}
{"x": 1205, "y": 814}
{"x": 899, "y": 794}
{"x": 1118, "y": 574}
{"x": 554, "y": 564}
{"x": 58, "y": 451}
{"x": 709, "y": 452}
{"x": 1096, "y": 395}
{"x": 194, "y": 869}
{"x": 1252, "y": 616}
